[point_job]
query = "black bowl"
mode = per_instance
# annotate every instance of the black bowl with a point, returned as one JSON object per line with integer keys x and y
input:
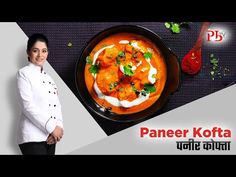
{"x": 172, "y": 82}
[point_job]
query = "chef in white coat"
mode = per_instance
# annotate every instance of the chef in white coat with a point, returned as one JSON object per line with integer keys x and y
{"x": 41, "y": 123}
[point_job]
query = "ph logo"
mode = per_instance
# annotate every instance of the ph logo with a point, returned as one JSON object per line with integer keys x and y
{"x": 215, "y": 35}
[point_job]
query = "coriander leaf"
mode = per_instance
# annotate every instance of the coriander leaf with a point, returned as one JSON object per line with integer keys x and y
{"x": 128, "y": 70}
{"x": 216, "y": 70}
{"x": 214, "y": 61}
{"x": 147, "y": 55}
{"x": 149, "y": 88}
{"x": 175, "y": 28}
{"x": 121, "y": 54}
{"x": 94, "y": 69}
{"x": 167, "y": 24}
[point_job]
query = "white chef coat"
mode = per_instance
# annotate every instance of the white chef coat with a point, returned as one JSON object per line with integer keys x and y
{"x": 41, "y": 108}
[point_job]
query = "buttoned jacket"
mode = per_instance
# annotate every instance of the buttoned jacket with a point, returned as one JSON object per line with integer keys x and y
{"x": 40, "y": 105}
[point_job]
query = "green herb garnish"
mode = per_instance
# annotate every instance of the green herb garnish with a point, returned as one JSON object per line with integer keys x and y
{"x": 69, "y": 44}
{"x": 134, "y": 88}
{"x": 121, "y": 54}
{"x": 128, "y": 70}
{"x": 175, "y": 27}
{"x": 112, "y": 85}
{"x": 94, "y": 69}
{"x": 147, "y": 55}
{"x": 149, "y": 88}
{"x": 215, "y": 70}
{"x": 89, "y": 60}
{"x": 118, "y": 60}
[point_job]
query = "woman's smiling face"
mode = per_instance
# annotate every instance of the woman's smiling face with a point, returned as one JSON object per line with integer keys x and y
{"x": 38, "y": 53}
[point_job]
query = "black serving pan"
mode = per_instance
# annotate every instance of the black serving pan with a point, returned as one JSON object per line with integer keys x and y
{"x": 172, "y": 82}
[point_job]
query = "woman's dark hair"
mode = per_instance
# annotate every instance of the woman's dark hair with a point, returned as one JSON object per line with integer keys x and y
{"x": 33, "y": 39}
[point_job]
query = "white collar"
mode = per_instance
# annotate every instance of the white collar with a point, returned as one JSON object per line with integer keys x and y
{"x": 36, "y": 67}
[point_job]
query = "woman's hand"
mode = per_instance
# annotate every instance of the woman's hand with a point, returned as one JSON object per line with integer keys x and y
{"x": 51, "y": 140}
{"x": 57, "y": 133}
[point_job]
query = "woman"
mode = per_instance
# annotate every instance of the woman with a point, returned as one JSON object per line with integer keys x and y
{"x": 41, "y": 125}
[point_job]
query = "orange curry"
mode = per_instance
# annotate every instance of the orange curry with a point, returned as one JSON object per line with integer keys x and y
{"x": 125, "y": 73}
